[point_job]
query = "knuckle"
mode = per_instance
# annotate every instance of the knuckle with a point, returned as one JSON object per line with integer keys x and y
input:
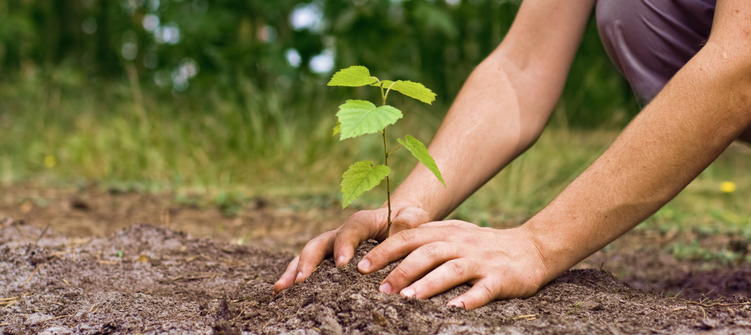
{"x": 307, "y": 260}
{"x": 429, "y": 284}
{"x": 400, "y": 225}
{"x": 406, "y": 236}
{"x": 379, "y": 252}
{"x": 456, "y": 268}
{"x": 306, "y": 269}
{"x": 303, "y": 264}
{"x": 433, "y": 250}
{"x": 485, "y": 293}
{"x": 400, "y": 273}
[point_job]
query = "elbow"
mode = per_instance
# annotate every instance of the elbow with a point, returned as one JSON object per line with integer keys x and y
{"x": 530, "y": 98}
{"x": 727, "y": 67}
{"x": 529, "y": 132}
{"x": 728, "y": 59}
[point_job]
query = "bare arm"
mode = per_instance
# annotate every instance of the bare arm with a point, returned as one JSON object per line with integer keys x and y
{"x": 503, "y": 106}
{"x": 699, "y": 113}
{"x": 499, "y": 112}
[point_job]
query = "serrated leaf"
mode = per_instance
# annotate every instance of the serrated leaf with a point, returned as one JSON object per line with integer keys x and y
{"x": 415, "y": 91}
{"x": 360, "y": 178}
{"x": 411, "y": 89}
{"x": 360, "y": 117}
{"x": 421, "y": 153}
{"x": 353, "y": 76}
{"x": 337, "y": 128}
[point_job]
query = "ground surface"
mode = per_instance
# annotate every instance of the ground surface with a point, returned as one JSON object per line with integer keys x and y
{"x": 80, "y": 263}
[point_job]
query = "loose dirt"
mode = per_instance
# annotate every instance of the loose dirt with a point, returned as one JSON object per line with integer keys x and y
{"x": 79, "y": 264}
{"x": 150, "y": 279}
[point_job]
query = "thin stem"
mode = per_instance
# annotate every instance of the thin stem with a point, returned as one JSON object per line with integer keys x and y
{"x": 386, "y": 162}
{"x": 387, "y": 91}
{"x": 386, "y": 154}
{"x": 395, "y": 149}
{"x": 388, "y": 186}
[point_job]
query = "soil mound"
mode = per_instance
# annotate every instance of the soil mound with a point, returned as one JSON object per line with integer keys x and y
{"x": 148, "y": 279}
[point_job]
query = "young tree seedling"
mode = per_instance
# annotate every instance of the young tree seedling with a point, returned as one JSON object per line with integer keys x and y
{"x": 360, "y": 117}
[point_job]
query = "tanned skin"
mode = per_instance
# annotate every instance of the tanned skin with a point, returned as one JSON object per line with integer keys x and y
{"x": 499, "y": 113}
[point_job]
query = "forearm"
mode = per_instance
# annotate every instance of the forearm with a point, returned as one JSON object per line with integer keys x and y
{"x": 503, "y": 106}
{"x": 698, "y": 114}
{"x": 482, "y": 132}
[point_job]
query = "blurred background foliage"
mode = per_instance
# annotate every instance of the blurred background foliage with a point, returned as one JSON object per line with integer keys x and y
{"x": 229, "y": 96}
{"x": 290, "y": 47}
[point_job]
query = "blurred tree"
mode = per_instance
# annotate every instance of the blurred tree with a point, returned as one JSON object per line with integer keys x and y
{"x": 283, "y": 45}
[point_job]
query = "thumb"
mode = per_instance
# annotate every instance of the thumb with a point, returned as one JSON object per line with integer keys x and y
{"x": 360, "y": 227}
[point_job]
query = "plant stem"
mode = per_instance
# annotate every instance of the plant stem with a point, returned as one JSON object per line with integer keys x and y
{"x": 386, "y": 162}
{"x": 388, "y": 187}
{"x": 395, "y": 149}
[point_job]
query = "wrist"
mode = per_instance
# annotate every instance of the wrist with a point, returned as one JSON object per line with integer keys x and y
{"x": 433, "y": 199}
{"x": 550, "y": 266}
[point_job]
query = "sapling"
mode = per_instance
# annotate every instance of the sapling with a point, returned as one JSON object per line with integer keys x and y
{"x": 360, "y": 117}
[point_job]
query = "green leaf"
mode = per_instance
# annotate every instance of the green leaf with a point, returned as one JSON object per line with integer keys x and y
{"x": 353, "y": 76}
{"x": 360, "y": 117}
{"x": 360, "y": 178}
{"x": 337, "y": 128}
{"x": 421, "y": 153}
{"x": 411, "y": 89}
{"x": 415, "y": 91}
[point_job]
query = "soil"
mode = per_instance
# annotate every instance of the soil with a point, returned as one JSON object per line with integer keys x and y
{"x": 70, "y": 269}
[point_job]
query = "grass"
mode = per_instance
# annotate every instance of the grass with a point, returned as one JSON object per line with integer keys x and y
{"x": 231, "y": 147}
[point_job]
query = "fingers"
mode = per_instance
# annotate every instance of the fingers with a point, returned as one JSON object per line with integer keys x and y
{"x": 288, "y": 278}
{"x": 359, "y": 228}
{"x": 399, "y": 245}
{"x": 417, "y": 264}
{"x": 313, "y": 254}
{"x": 446, "y": 276}
{"x": 479, "y": 295}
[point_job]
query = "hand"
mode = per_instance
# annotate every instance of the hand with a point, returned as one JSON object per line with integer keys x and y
{"x": 497, "y": 263}
{"x": 342, "y": 242}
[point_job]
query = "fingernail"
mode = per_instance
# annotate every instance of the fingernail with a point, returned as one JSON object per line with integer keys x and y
{"x": 385, "y": 288}
{"x": 341, "y": 261}
{"x": 454, "y": 303}
{"x": 299, "y": 278}
{"x": 364, "y": 265}
{"x": 408, "y": 293}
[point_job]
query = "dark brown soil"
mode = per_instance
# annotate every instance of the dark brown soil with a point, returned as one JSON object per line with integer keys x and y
{"x": 150, "y": 279}
{"x": 78, "y": 264}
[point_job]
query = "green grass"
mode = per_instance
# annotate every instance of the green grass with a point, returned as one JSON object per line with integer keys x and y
{"x": 230, "y": 147}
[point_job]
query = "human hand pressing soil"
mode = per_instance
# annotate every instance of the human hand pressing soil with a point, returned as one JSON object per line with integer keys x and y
{"x": 440, "y": 255}
{"x": 360, "y": 227}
